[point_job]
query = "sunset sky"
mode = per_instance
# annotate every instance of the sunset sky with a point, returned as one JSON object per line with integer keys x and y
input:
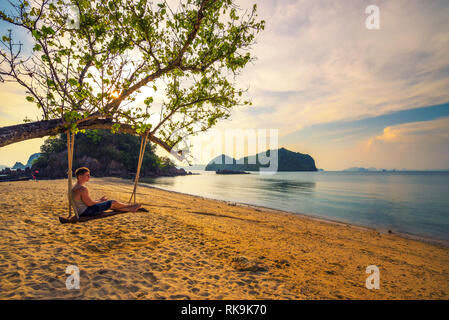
{"x": 346, "y": 95}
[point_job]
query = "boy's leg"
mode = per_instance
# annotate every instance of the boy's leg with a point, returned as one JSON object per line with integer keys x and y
{"x": 119, "y": 206}
{"x": 98, "y": 208}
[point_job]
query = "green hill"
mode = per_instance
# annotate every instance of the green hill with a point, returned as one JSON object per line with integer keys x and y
{"x": 287, "y": 161}
{"x": 104, "y": 153}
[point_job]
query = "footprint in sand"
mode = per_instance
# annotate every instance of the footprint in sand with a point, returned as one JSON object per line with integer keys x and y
{"x": 150, "y": 276}
{"x": 133, "y": 288}
{"x": 155, "y": 266}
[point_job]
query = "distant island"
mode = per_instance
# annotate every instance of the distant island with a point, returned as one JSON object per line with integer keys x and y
{"x": 360, "y": 169}
{"x": 287, "y": 161}
{"x": 372, "y": 169}
{"x": 20, "y": 165}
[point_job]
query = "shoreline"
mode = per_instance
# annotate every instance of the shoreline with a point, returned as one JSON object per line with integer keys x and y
{"x": 425, "y": 239}
{"x": 405, "y": 235}
{"x": 191, "y": 247}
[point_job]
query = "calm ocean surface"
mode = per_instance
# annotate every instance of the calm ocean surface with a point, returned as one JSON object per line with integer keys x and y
{"x": 415, "y": 203}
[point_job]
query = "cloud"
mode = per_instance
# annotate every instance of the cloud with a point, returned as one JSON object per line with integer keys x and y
{"x": 389, "y": 135}
{"x": 318, "y": 65}
{"x": 435, "y": 131}
{"x": 419, "y": 145}
{"x": 340, "y": 70}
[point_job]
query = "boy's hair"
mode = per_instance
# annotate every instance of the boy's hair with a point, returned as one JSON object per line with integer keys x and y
{"x": 81, "y": 171}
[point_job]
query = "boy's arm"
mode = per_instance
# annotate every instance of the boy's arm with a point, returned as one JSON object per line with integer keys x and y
{"x": 86, "y": 198}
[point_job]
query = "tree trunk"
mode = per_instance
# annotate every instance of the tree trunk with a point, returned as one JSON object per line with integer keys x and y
{"x": 39, "y": 129}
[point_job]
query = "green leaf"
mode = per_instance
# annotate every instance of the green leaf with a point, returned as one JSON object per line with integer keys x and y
{"x": 72, "y": 82}
{"x": 36, "y": 34}
{"x": 148, "y": 101}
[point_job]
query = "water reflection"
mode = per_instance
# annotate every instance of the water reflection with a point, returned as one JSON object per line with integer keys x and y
{"x": 158, "y": 181}
{"x": 288, "y": 186}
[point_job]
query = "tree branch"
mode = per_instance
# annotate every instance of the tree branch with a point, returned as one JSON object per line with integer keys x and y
{"x": 40, "y": 129}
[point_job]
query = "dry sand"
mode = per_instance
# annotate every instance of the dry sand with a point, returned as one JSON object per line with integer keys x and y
{"x": 193, "y": 248}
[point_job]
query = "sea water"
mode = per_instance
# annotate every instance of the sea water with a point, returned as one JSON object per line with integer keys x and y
{"x": 415, "y": 203}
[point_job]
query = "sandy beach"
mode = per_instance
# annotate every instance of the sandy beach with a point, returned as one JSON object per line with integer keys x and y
{"x": 189, "y": 247}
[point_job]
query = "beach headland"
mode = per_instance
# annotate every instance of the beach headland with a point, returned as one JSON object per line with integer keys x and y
{"x": 189, "y": 247}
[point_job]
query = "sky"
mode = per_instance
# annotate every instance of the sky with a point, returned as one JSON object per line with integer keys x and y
{"x": 332, "y": 88}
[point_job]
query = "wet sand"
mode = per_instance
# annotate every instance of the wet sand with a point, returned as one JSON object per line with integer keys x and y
{"x": 189, "y": 247}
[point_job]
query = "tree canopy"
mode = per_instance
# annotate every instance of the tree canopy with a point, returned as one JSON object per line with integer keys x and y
{"x": 166, "y": 69}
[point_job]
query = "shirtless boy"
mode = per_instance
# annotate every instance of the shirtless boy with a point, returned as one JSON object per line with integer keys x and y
{"x": 87, "y": 207}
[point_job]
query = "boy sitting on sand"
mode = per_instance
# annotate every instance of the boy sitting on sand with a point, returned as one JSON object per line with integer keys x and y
{"x": 87, "y": 207}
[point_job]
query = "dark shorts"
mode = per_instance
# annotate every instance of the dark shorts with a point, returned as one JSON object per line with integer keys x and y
{"x": 96, "y": 209}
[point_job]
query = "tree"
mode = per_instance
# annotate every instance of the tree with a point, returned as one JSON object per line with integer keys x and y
{"x": 91, "y": 69}
{"x": 87, "y": 70}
